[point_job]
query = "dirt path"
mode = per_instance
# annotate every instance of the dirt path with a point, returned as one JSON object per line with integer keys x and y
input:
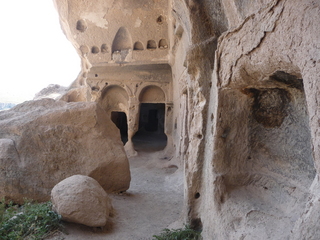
{"x": 153, "y": 202}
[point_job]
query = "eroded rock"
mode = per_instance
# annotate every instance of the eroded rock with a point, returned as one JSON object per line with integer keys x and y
{"x": 80, "y": 199}
{"x": 47, "y": 141}
{"x": 53, "y": 91}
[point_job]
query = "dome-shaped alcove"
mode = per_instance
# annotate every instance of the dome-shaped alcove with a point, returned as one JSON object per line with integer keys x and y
{"x": 81, "y": 25}
{"x": 104, "y": 48}
{"x": 122, "y": 40}
{"x": 138, "y": 46}
{"x": 95, "y": 50}
{"x": 114, "y": 99}
{"x": 163, "y": 44}
{"x": 151, "y": 134}
{"x": 151, "y": 45}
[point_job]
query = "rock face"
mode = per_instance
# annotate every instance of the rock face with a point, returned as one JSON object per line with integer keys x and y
{"x": 80, "y": 199}
{"x": 53, "y": 91}
{"x": 241, "y": 105}
{"x": 265, "y": 139}
{"x": 45, "y": 141}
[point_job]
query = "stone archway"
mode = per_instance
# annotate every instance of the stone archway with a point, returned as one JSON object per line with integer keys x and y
{"x": 152, "y": 94}
{"x": 115, "y": 101}
{"x": 114, "y": 98}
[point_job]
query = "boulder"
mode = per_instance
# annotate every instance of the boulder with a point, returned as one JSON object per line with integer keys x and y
{"x": 80, "y": 199}
{"x": 46, "y": 141}
{"x": 8, "y": 161}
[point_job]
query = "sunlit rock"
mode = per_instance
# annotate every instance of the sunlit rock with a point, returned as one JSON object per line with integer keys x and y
{"x": 45, "y": 141}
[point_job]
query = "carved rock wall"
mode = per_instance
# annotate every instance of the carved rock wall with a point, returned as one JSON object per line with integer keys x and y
{"x": 123, "y": 45}
{"x": 262, "y": 154}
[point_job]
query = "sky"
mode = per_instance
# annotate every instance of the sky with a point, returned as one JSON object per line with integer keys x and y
{"x": 34, "y": 50}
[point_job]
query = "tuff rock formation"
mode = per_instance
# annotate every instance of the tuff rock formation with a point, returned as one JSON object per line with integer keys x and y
{"x": 43, "y": 142}
{"x": 53, "y": 91}
{"x": 80, "y": 199}
{"x": 231, "y": 87}
{"x": 263, "y": 172}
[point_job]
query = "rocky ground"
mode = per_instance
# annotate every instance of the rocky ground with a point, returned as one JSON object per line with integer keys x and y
{"x": 153, "y": 202}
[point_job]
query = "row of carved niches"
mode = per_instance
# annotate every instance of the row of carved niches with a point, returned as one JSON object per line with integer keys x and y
{"x": 122, "y": 41}
{"x": 151, "y": 45}
{"x": 138, "y": 46}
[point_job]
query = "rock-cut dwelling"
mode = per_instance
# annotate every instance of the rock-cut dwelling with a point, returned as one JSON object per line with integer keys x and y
{"x": 126, "y": 66}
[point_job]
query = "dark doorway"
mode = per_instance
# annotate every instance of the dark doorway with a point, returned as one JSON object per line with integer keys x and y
{"x": 152, "y": 124}
{"x": 120, "y": 120}
{"x": 151, "y": 136}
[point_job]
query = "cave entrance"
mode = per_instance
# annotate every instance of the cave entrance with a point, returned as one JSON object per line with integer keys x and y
{"x": 120, "y": 120}
{"x": 150, "y": 136}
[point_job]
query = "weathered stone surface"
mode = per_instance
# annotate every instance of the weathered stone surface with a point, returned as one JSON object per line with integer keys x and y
{"x": 264, "y": 138}
{"x": 46, "y": 141}
{"x": 9, "y": 158}
{"x": 53, "y": 91}
{"x": 307, "y": 227}
{"x": 80, "y": 199}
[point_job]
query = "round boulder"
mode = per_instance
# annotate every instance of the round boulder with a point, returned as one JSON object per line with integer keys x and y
{"x": 80, "y": 199}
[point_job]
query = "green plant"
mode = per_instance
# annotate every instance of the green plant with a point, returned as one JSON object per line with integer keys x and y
{"x": 178, "y": 234}
{"x": 29, "y": 221}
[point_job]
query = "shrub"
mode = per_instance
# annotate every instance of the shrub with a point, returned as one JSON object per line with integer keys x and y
{"x": 29, "y": 221}
{"x": 178, "y": 234}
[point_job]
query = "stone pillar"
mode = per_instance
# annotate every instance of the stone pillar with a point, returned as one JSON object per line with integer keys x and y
{"x": 133, "y": 125}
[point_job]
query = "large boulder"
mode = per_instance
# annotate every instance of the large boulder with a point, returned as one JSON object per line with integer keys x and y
{"x": 45, "y": 141}
{"x": 9, "y": 159}
{"x": 80, "y": 199}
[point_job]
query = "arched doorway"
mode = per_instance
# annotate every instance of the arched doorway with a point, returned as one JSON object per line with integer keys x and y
{"x": 151, "y": 133}
{"x": 114, "y": 100}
